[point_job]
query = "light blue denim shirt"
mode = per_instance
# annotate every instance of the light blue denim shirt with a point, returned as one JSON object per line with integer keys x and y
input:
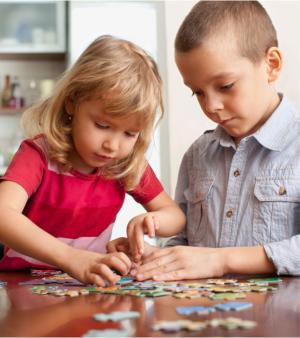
{"x": 247, "y": 195}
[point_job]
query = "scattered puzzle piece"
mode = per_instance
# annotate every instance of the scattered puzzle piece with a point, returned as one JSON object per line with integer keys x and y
{"x": 106, "y": 333}
{"x": 116, "y": 316}
{"x": 233, "y": 306}
{"x": 200, "y": 310}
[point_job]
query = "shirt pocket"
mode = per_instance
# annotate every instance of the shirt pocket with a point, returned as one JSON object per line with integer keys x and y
{"x": 198, "y": 196}
{"x": 276, "y": 209}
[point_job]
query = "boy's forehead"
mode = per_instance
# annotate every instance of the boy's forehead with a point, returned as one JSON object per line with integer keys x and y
{"x": 210, "y": 62}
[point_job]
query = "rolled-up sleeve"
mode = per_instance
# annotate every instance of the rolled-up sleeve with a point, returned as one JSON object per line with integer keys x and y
{"x": 285, "y": 255}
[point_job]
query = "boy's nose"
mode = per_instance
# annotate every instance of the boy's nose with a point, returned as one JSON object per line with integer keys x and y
{"x": 213, "y": 105}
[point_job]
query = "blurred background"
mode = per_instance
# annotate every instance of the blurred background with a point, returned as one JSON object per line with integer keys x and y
{"x": 40, "y": 39}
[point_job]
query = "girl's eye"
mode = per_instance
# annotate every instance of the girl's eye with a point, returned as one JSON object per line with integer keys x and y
{"x": 228, "y": 86}
{"x": 129, "y": 134}
{"x": 101, "y": 125}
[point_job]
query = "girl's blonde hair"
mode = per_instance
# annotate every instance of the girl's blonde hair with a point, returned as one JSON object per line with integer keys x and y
{"x": 126, "y": 78}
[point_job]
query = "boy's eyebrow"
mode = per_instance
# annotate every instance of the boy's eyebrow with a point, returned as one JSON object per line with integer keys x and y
{"x": 216, "y": 77}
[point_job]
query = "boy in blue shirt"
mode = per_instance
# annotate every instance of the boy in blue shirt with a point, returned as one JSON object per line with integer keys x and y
{"x": 238, "y": 185}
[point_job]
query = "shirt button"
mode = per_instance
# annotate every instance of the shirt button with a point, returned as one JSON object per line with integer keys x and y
{"x": 236, "y": 173}
{"x": 282, "y": 190}
{"x": 229, "y": 213}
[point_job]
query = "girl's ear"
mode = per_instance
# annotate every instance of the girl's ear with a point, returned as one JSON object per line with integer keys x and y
{"x": 69, "y": 106}
{"x": 274, "y": 63}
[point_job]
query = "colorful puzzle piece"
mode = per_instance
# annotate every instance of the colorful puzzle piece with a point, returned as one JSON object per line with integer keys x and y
{"x": 200, "y": 310}
{"x": 233, "y": 306}
{"x": 116, "y": 316}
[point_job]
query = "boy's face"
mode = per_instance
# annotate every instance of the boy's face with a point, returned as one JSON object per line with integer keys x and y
{"x": 231, "y": 90}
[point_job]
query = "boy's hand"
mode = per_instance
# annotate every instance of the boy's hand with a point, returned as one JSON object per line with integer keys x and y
{"x": 137, "y": 227}
{"x": 95, "y": 268}
{"x": 181, "y": 262}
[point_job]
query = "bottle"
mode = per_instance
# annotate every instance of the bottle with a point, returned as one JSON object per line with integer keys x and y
{"x": 6, "y": 93}
{"x": 16, "y": 100}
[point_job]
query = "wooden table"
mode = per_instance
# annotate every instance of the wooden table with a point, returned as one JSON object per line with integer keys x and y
{"x": 25, "y": 314}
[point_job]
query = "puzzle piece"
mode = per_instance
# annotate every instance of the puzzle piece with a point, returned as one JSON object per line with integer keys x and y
{"x": 106, "y": 333}
{"x": 116, "y": 316}
{"x": 265, "y": 280}
{"x": 227, "y": 296}
{"x": 233, "y": 306}
{"x": 178, "y": 325}
{"x": 200, "y": 310}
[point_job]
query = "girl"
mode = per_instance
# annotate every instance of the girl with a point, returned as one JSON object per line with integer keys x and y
{"x": 65, "y": 185}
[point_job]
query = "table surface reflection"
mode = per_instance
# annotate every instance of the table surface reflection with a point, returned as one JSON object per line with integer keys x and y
{"x": 25, "y": 314}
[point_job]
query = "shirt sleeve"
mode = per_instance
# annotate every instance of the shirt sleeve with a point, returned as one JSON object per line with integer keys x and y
{"x": 148, "y": 188}
{"x": 285, "y": 255}
{"x": 26, "y": 167}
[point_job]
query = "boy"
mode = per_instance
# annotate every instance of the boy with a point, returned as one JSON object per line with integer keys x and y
{"x": 238, "y": 185}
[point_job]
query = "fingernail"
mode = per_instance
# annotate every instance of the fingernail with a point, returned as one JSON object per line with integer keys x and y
{"x": 139, "y": 276}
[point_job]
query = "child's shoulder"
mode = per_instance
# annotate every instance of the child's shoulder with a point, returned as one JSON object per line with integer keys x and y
{"x": 38, "y": 144}
{"x": 203, "y": 142}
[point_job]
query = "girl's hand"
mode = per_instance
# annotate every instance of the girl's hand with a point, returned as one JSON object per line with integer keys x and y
{"x": 95, "y": 268}
{"x": 121, "y": 244}
{"x": 137, "y": 227}
{"x": 181, "y": 262}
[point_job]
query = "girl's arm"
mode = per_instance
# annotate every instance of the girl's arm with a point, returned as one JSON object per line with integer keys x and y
{"x": 164, "y": 218}
{"x": 21, "y": 234}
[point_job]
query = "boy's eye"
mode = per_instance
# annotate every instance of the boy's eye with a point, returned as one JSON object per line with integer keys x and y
{"x": 228, "y": 86}
{"x": 197, "y": 93}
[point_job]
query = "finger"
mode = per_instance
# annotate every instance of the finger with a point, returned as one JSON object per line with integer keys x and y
{"x": 102, "y": 271}
{"x": 139, "y": 239}
{"x": 158, "y": 271}
{"x": 125, "y": 259}
{"x": 149, "y": 225}
{"x": 96, "y": 279}
{"x": 163, "y": 264}
{"x": 156, "y": 222}
{"x": 130, "y": 236}
{"x": 114, "y": 262}
{"x": 112, "y": 246}
{"x": 171, "y": 275}
{"x": 156, "y": 254}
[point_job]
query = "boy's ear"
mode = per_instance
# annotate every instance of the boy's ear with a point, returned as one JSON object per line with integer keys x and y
{"x": 274, "y": 63}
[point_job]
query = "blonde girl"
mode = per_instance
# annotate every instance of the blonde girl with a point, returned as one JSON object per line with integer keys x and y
{"x": 85, "y": 149}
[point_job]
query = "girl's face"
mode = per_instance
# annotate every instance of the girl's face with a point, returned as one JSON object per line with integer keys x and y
{"x": 100, "y": 139}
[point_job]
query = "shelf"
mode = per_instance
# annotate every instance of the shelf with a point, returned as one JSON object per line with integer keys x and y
{"x": 33, "y": 56}
{"x": 11, "y": 111}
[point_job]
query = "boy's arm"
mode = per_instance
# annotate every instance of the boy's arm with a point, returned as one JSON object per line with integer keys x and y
{"x": 187, "y": 262}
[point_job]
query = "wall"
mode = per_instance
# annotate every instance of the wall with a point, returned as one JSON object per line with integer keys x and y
{"x": 185, "y": 120}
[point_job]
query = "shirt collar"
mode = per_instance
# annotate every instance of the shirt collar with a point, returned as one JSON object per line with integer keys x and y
{"x": 273, "y": 134}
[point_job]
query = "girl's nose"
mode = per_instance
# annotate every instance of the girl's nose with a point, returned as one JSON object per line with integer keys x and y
{"x": 111, "y": 144}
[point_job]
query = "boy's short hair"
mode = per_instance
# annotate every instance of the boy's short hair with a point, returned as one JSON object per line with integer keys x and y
{"x": 248, "y": 20}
